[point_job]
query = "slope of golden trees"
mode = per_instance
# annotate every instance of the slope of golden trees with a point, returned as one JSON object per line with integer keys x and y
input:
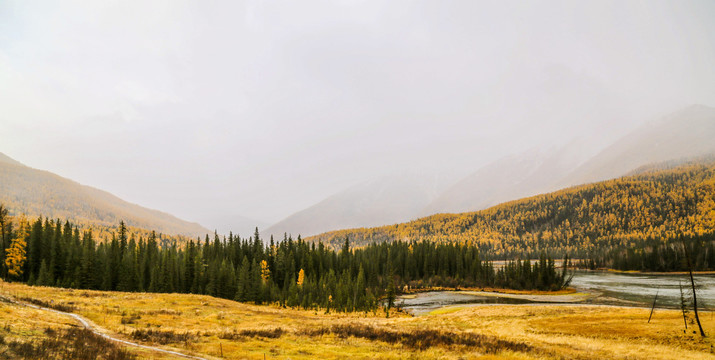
{"x": 653, "y": 207}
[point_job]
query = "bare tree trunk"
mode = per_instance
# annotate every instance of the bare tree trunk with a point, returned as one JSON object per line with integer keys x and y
{"x": 653, "y": 308}
{"x": 683, "y": 306}
{"x": 692, "y": 283}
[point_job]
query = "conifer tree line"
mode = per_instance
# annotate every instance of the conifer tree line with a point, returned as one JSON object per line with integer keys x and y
{"x": 291, "y": 272}
{"x": 656, "y": 255}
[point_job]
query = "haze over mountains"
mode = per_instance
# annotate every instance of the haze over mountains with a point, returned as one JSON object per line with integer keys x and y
{"x": 683, "y": 134}
{"x": 36, "y": 192}
{"x": 389, "y": 199}
{"x": 656, "y": 205}
{"x": 386, "y": 200}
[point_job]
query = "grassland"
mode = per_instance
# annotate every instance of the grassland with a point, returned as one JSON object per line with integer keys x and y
{"x": 211, "y": 328}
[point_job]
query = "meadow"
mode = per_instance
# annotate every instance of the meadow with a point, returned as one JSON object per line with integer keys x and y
{"x": 216, "y": 328}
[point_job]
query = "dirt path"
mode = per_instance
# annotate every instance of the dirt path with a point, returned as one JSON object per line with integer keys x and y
{"x": 87, "y": 325}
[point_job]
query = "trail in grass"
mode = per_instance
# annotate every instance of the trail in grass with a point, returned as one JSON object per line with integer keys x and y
{"x": 87, "y": 325}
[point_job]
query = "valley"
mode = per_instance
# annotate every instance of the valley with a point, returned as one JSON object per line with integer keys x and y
{"x": 445, "y": 286}
{"x": 299, "y": 180}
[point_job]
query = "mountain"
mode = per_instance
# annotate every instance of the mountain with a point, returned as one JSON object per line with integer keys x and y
{"x": 625, "y": 213}
{"x": 684, "y": 134}
{"x": 37, "y": 192}
{"x": 509, "y": 178}
{"x": 385, "y": 200}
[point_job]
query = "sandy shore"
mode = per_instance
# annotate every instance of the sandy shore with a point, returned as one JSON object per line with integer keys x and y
{"x": 576, "y": 297}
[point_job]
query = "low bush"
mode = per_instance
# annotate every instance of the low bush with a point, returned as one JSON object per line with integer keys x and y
{"x": 264, "y": 333}
{"x": 420, "y": 339}
{"x": 162, "y": 336}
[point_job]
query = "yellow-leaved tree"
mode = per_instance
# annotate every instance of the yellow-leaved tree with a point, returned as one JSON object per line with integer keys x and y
{"x": 16, "y": 253}
{"x": 301, "y": 277}
{"x": 265, "y": 271}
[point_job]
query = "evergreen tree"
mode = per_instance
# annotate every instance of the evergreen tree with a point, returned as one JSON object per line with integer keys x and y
{"x": 44, "y": 278}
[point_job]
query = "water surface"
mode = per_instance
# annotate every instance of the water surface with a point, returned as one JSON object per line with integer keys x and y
{"x": 425, "y": 302}
{"x": 642, "y": 288}
{"x": 606, "y": 287}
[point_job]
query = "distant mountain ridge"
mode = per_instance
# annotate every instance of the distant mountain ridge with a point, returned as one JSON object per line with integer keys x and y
{"x": 37, "y": 192}
{"x": 654, "y": 206}
{"x": 386, "y": 200}
{"x": 681, "y": 135}
{"x": 507, "y": 179}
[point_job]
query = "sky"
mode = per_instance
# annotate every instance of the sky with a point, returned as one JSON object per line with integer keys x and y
{"x": 211, "y": 110}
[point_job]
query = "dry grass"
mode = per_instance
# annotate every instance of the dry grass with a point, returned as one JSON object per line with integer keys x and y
{"x": 70, "y": 343}
{"x": 208, "y": 326}
{"x": 28, "y": 333}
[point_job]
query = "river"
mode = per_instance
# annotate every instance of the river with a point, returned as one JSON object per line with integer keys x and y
{"x": 602, "y": 287}
{"x": 642, "y": 288}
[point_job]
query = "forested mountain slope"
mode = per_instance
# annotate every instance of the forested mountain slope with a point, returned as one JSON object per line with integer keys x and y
{"x": 633, "y": 212}
{"x": 37, "y": 192}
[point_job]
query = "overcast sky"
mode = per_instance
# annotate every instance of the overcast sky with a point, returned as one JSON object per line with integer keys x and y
{"x": 212, "y": 109}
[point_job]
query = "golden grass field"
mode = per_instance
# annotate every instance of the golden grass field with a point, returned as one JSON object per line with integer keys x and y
{"x": 209, "y": 327}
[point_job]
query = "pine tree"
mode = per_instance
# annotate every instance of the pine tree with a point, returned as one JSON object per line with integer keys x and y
{"x": 128, "y": 277}
{"x": 88, "y": 277}
{"x": 256, "y": 285}
{"x": 359, "y": 290}
{"x": 243, "y": 282}
{"x": 44, "y": 278}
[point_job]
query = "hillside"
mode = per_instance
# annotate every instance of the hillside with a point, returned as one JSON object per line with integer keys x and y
{"x": 623, "y": 213}
{"x": 37, "y": 192}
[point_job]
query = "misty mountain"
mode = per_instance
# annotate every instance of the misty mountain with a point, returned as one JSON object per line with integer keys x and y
{"x": 385, "y": 200}
{"x": 237, "y": 224}
{"x": 509, "y": 178}
{"x": 37, "y": 192}
{"x": 656, "y": 205}
{"x": 684, "y": 134}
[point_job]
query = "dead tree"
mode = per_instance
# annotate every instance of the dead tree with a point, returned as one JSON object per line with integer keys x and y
{"x": 652, "y": 309}
{"x": 683, "y": 304}
{"x": 692, "y": 284}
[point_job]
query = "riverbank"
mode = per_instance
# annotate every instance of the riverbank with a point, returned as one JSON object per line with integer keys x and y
{"x": 572, "y": 296}
{"x": 568, "y": 290}
{"x": 638, "y": 272}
